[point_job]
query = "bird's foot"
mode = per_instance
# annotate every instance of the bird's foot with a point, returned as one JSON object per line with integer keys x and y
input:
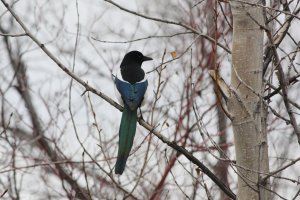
{"x": 141, "y": 116}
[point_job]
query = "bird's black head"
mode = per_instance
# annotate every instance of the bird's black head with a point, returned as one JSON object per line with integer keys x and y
{"x": 131, "y": 70}
{"x": 134, "y": 58}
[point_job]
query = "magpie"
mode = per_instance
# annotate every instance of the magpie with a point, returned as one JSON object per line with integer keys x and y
{"x": 132, "y": 89}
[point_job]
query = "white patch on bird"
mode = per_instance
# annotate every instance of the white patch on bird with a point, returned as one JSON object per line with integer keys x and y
{"x": 118, "y": 74}
{"x": 145, "y": 98}
{"x": 117, "y": 93}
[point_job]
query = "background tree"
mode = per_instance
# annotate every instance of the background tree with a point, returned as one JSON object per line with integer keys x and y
{"x": 246, "y": 104}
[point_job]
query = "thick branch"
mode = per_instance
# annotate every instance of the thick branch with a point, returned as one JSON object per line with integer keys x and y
{"x": 189, "y": 156}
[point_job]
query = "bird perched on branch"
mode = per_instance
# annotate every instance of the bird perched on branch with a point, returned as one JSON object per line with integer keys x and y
{"x": 132, "y": 87}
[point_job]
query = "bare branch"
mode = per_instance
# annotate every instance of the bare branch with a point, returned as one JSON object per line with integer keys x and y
{"x": 169, "y": 22}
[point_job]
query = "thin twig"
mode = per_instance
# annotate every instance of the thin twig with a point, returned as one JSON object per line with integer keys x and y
{"x": 13, "y": 35}
{"x": 3, "y": 193}
{"x": 280, "y": 169}
{"x": 175, "y": 58}
{"x": 85, "y": 177}
{"x": 140, "y": 39}
{"x": 186, "y": 196}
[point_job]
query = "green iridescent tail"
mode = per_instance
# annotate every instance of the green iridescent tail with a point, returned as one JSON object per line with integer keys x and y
{"x": 126, "y": 136}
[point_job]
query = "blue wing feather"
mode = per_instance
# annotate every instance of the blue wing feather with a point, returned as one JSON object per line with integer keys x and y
{"x": 132, "y": 94}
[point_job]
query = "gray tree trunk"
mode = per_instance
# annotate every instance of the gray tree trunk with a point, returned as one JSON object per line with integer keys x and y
{"x": 245, "y": 102}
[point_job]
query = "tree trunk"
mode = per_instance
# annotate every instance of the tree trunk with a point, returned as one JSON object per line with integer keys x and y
{"x": 245, "y": 105}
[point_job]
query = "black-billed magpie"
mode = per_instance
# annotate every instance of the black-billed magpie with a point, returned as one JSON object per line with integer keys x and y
{"x": 132, "y": 88}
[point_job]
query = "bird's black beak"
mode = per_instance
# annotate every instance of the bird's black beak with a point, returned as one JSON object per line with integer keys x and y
{"x": 145, "y": 58}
